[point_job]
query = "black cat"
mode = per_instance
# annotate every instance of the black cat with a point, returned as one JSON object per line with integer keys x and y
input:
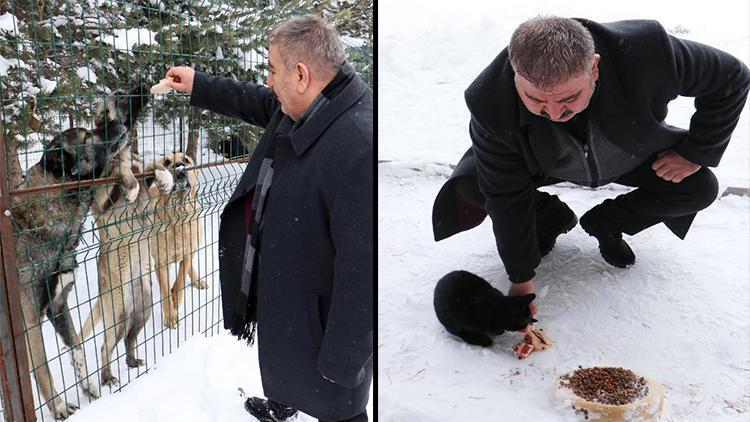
{"x": 470, "y": 308}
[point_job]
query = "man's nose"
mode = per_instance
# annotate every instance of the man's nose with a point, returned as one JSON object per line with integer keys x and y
{"x": 555, "y": 112}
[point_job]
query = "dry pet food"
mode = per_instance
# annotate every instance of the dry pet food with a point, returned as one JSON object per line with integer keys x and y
{"x": 614, "y": 386}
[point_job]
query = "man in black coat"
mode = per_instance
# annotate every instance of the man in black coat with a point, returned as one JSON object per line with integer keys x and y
{"x": 296, "y": 237}
{"x": 580, "y": 101}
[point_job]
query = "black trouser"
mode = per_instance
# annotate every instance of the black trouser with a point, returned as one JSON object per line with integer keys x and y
{"x": 654, "y": 201}
{"x": 362, "y": 417}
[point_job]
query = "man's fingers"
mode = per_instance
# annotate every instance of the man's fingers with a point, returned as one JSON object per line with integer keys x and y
{"x": 532, "y": 308}
{"x": 660, "y": 163}
{"x": 669, "y": 175}
{"x": 663, "y": 171}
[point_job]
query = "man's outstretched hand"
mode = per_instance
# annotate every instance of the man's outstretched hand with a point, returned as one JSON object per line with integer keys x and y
{"x": 181, "y": 78}
{"x": 521, "y": 289}
{"x": 673, "y": 167}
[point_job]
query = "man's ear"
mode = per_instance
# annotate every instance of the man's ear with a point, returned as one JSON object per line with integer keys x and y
{"x": 595, "y": 67}
{"x": 302, "y": 77}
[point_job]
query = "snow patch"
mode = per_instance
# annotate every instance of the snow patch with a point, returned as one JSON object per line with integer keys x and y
{"x": 86, "y": 74}
{"x": 123, "y": 39}
{"x": 8, "y": 22}
{"x": 47, "y": 85}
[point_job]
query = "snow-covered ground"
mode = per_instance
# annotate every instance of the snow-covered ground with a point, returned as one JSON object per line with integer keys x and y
{"x": 680, "y": 315}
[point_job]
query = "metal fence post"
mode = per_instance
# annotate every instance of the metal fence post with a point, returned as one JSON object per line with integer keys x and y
{"x": 14, "y": 365}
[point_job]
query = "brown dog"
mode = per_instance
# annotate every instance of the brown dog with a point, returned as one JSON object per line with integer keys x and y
{"x": 178, "y": 236}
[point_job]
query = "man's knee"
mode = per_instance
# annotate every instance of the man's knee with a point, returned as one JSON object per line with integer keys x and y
{"x": 703, "y": 188}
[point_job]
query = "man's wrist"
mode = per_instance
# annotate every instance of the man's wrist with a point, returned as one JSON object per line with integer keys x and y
{"x": 518, "y": 289}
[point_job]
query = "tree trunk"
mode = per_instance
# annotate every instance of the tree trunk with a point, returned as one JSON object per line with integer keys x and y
{"x": 193, "y": 138}
{"x": 15, "y": 174}
{"x": 181, "y": 134}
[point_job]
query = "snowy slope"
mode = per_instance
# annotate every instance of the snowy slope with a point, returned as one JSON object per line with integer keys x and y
{"x": 680, "y": 315}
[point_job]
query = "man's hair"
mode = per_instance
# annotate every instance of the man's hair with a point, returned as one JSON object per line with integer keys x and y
{"x": 548, "y": 50}
{"x": 310, "y": 40}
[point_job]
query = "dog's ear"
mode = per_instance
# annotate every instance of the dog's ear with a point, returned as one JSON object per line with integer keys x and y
{"x": 103, "y": 114}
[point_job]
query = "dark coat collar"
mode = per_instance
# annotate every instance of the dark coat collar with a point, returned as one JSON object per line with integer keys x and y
{"x": 311, "y": 130}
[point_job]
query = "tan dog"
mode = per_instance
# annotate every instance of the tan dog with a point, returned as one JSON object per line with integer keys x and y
{"x": 178, "y": 237}
{"x": 124, "y": 262}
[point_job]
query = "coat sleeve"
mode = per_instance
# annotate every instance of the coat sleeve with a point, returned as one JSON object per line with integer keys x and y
{"x": 254, "y": 104}
{"x": 347, "y": 345}
{"x": 719, "y": 82}
{"x": 509, "y": 192}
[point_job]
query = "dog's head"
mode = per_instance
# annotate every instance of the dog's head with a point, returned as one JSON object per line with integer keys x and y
{"x": 85, "y": 154}
{"x": 511, "y": 313}
{"x": 117, "y": 115}
{"x": 177, "y": 163}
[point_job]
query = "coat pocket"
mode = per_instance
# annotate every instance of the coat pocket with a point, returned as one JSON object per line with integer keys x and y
{"x": 313, "y": 318}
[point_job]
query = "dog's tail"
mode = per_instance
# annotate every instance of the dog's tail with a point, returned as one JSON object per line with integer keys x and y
{"x": 94, "y": 317}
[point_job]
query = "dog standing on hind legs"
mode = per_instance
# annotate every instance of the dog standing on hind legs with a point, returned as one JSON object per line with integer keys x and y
{"x": 48, "y": 229}
{"x": 124, "y": 263}
{"x": 178, "y": 237}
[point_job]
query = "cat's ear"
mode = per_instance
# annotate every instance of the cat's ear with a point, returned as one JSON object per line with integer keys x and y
{"x": 529, "y": 297}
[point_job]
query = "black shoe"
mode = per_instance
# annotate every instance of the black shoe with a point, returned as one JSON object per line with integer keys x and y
{"x": 613, "y": 248}
{"x": 546, "y": 236}
{"x": 268, "y": 410}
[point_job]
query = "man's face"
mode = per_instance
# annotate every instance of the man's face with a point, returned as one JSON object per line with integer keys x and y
{"x": 281, "y": 80}
{"x": 563, "y": 101}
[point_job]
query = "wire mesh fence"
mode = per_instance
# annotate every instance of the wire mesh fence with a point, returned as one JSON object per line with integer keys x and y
{"x": 112, "y": 196}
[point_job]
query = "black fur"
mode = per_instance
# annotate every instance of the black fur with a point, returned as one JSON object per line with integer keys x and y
{"x": 470, "y": 308}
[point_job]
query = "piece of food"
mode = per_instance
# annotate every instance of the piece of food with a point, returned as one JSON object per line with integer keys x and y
{"x": 162, "y": 87}
{"x": 534, "y": 339}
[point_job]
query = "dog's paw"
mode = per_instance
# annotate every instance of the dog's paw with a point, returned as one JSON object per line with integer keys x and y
{"x": 61, "y": 409}
{"x": 110, "y": 380}
{"x": 134, "y": 363}
{"x": 164, "y": 180}
{"x": 90, "y": 389}
{"x": 170, "y": 316}
{"x": 200, "y": 284}
{"x": 130, "y": 188}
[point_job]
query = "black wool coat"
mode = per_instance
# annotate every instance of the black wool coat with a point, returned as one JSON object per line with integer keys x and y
{"x": 315, "y": 256}
{"x": 642, "y": 68}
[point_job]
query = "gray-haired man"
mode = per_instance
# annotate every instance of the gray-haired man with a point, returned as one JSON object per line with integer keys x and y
{"x": 580, "y": 101}
{"x": 296, "y": 237}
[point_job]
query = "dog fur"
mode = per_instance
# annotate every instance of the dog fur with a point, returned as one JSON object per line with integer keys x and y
{"x": 470, "y": 308}
{"x": 124, "y": 262}
{"x": 178, "y": 238}
{"x": 48, "y": 228}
